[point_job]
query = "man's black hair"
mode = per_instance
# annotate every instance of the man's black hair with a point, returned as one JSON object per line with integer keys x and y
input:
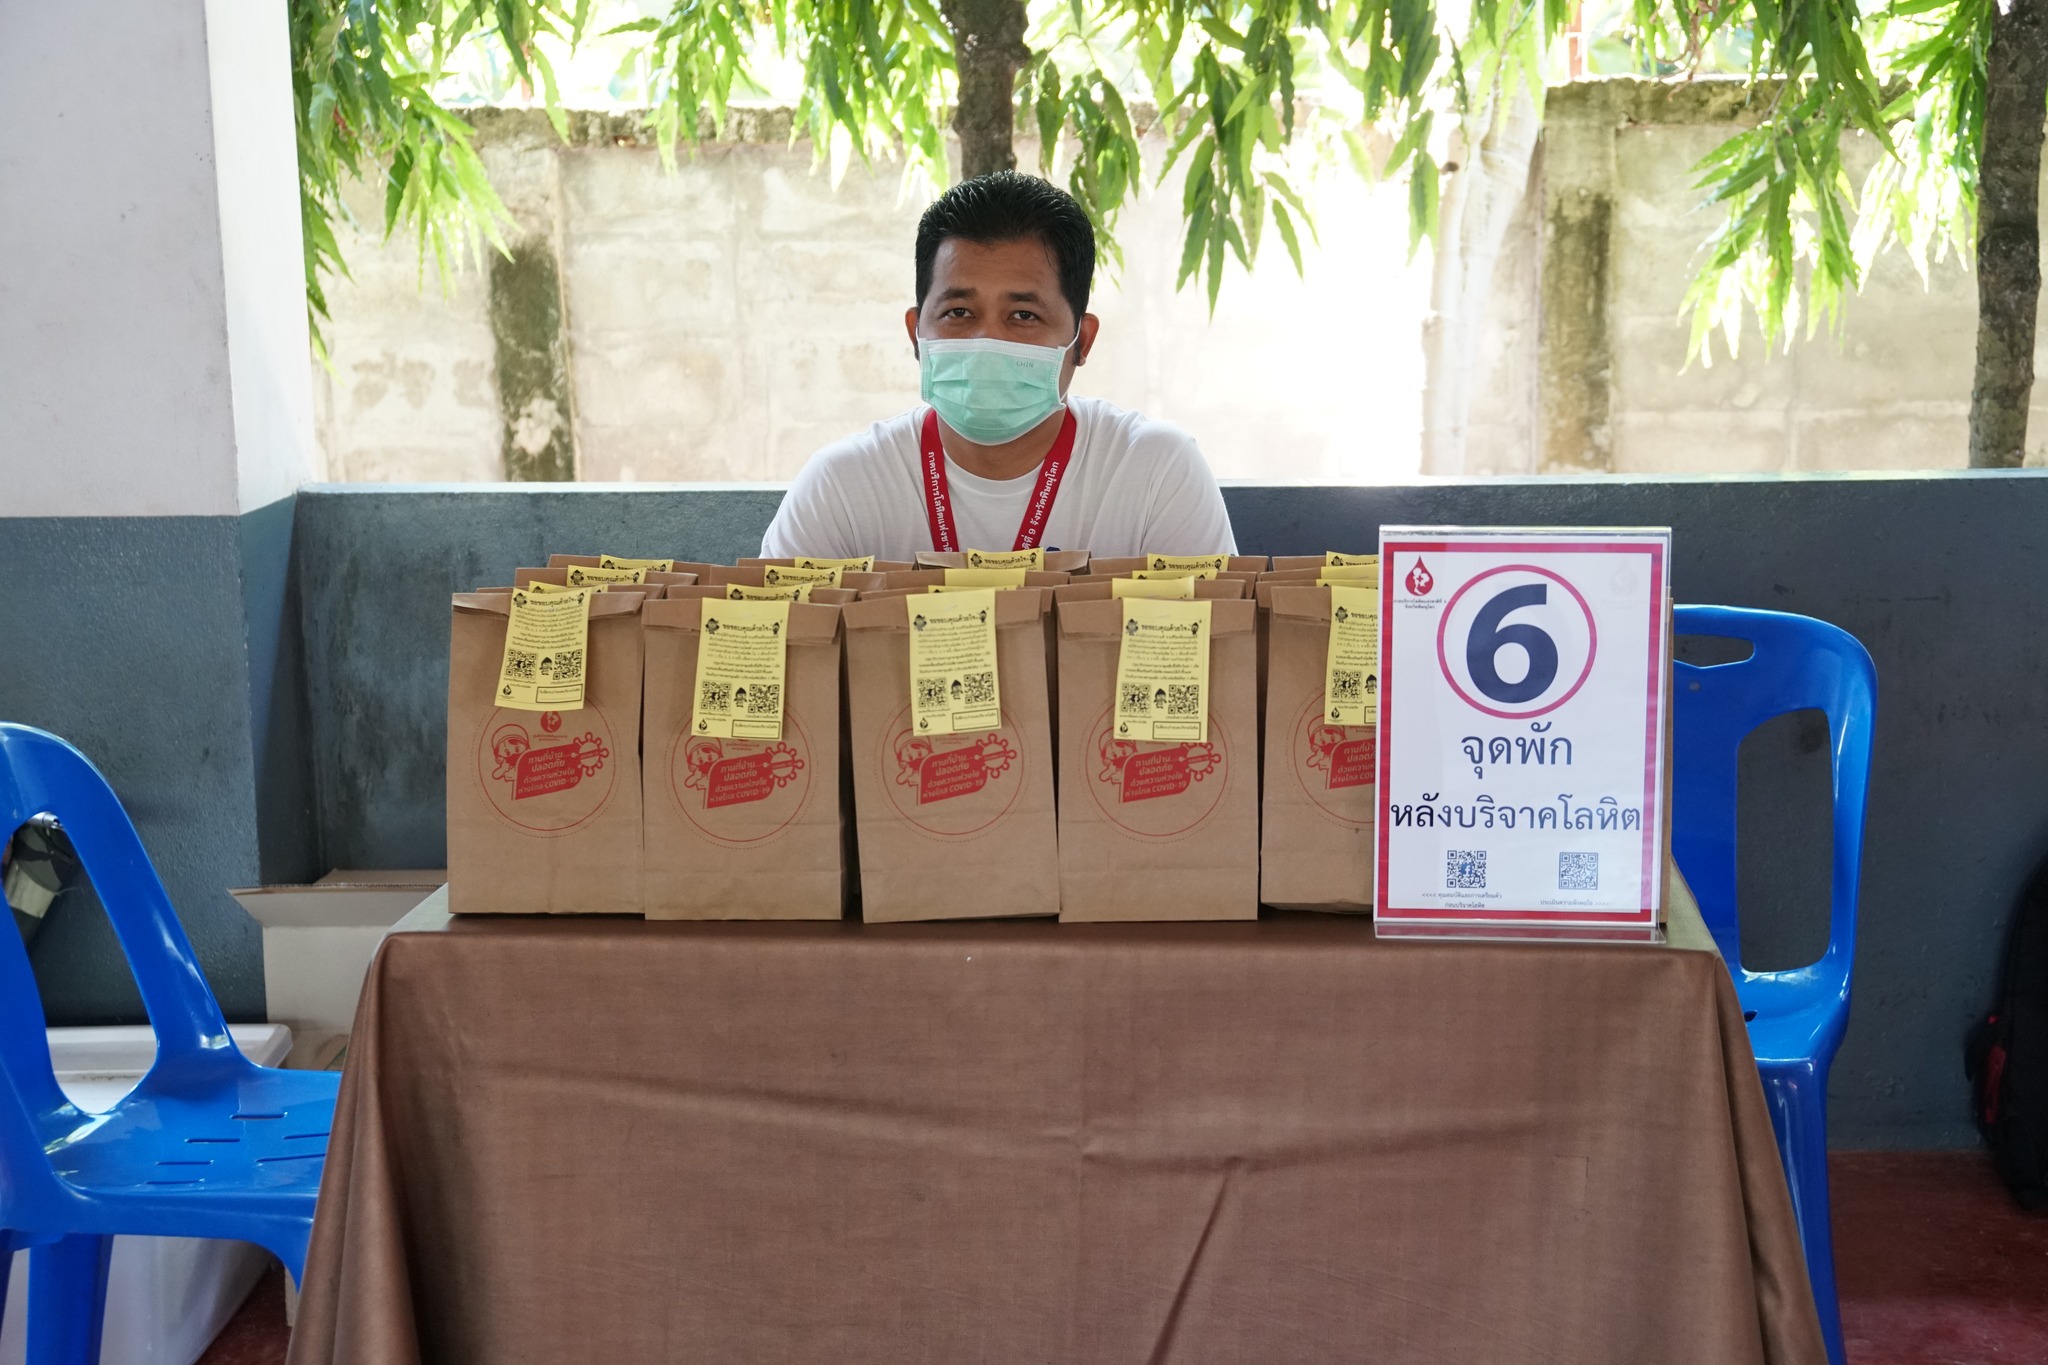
{"x": 1004, "y": 206}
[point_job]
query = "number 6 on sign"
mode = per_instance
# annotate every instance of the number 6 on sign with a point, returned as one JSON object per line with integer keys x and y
{"x": 1522, "y": 727}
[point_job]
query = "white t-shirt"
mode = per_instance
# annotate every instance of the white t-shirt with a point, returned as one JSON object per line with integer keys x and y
{"x": 1134, "y": 486}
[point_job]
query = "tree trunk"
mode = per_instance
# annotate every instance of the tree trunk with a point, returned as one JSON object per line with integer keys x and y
{"x": 1500, "y": 142}
{"x": 2009, "y": 233}
{"x": 988, "y": 50}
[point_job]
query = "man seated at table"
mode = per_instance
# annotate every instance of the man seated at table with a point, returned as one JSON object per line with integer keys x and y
{"x": 998, "y": 456}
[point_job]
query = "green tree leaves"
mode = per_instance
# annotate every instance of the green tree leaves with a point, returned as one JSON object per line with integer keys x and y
{"x": 364, "y": 74}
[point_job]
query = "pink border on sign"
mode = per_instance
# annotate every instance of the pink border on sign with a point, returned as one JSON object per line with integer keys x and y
{"x": 1652, "y": 793}
{"x": 1592, "y": 644}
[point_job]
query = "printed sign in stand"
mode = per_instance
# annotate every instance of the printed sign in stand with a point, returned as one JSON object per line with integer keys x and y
{"x": 1522, "y": 726}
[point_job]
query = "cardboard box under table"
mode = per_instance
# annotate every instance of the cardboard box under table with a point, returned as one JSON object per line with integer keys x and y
{"x": 318, "y": 940}
{"x": 922, "y": 1144}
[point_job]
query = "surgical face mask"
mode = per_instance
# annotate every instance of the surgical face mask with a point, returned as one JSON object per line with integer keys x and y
{"x": 991, "y": 391}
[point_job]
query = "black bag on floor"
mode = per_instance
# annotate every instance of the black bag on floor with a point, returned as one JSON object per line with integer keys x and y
{"x": 2007, "y": 1055}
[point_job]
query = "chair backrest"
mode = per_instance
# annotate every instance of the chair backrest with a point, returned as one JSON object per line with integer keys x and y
{"x": 1798, "y": 664}
{"x": 40, "y": 774}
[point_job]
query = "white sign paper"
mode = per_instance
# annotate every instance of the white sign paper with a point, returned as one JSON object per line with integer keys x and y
{"x": 1521, "y": 726}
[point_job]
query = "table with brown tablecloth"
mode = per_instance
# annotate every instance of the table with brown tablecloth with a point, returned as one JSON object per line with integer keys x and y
{"x": 605, "y": 1140}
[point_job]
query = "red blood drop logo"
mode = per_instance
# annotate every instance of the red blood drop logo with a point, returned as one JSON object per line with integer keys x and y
{"x": 1420, "y": 580}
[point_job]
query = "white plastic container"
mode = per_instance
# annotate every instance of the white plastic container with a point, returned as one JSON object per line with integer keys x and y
{"x": 167, "y": 1297}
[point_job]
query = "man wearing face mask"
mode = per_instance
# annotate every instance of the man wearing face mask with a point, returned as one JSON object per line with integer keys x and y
{"x": 998, "y": 456}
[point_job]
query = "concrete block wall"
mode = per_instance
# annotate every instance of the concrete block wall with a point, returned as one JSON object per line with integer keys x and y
{"x": 723, "y": 321}
{"x": 1890, "y": 390}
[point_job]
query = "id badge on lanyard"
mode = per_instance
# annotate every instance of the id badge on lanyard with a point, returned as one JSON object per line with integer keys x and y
{"x": 938, "y": 500}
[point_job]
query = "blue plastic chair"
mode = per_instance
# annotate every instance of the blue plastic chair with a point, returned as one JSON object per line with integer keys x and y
{"x": 207, "y": 1145}
{"x": 1797, "y": 1017}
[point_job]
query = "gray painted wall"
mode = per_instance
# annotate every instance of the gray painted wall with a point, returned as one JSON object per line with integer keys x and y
{"x": 1939, "y": 576}
{"x": 166, "y": 649}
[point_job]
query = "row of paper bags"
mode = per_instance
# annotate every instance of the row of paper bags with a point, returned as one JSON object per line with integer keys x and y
{"x": 617, "y": 807}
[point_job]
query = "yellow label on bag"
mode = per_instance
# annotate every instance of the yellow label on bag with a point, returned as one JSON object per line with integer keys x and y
{"x": 547, "y": 637}
{"x": 1347, "y": 573}
{"x": 537, "y": 586}
{"x": 1215, "y": 564}
{"x": 858, "y": 563}
{"x": 747, "y": 592}
{"x": 1202, "y": 572}
{"x": 782, "y": 576}
{"x": 1334, "y": 560}
{"x": 1351, "y": 679}
{"x": 953, "y": 682}
{"x": 1179, "y": 589}
{"x": 1162, "y": 671}
{"x": 742, "y": 651}
{"x": 1032, "y": 559}
{"x": 985, "y": 578}
{"x": 621, "y": 562}
{"x": 583, "y": 576}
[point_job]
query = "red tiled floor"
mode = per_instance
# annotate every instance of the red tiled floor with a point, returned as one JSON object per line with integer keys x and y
{"x": 1936, "y": 1264}
{"x": 1937, "y": 1267}
{"x": 256, "y": 1334}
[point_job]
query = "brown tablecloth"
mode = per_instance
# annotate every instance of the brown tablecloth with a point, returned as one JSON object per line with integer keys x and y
{"x": 613, "y": 1141}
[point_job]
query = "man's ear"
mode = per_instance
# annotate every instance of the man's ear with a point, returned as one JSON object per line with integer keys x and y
{"x": 910, "y": 326}
{"x": 1090, "y": 324}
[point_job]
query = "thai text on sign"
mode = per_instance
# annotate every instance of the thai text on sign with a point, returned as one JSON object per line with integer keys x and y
{"x": 1522, "y": 710}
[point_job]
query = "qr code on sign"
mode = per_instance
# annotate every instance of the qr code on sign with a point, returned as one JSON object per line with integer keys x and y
{"x": 520, "y": 665}
{"x": 1136, "y": 701}
{"x": 714, "y": 696}
{"x": 568, "y": 665}
{"x": 931, "y": 693}
{"x": 1465, "y": 869}
{"x": 1184, "y": 699}
{"x": 764, "y": 699}
{"x": 978, "y": 688}
{"x": 1347, "y": 684}
{"x": 1578, "y": 872}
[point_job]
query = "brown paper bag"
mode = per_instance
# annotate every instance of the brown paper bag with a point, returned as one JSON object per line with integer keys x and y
{"x": 1056, "y": 561}
{"x": 695, "y": 570}
{"x": 923, "y": 580}
{"x": 544, "y": 806}
{"x": 954, "y": 826}
{"x": 1091, "y": 589}
{"x": 1111, "y": 568}
{"x": 755, "y": 576}
{"x": 559, "y": 576}
{"x": 1308, "y": 577}
{"x": 1157, "y": 831}
{"x": 1285, "y": 562}
{"x": 821, "y": 596}
{"x": 736, "y": 828}
{"x": 880, "y": 566}
{"x": 1316, "y": 832}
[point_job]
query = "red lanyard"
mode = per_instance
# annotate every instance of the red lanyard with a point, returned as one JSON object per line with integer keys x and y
{"x": 938, "y": 501}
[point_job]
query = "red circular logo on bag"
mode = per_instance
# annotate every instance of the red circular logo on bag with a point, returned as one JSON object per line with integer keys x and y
{"x": 741, "y": 791}
{"x": 951, "y": 786}
{"x": 1336, "y": 765}
{"x": 1157, "y": 791}
{"x": 541, "y": 780}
